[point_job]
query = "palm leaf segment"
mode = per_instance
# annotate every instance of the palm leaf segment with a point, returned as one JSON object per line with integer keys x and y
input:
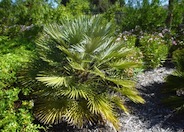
{"x": 84, "y": 85}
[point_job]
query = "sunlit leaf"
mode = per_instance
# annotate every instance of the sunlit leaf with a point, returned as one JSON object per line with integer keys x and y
{"x": 125, "y": 64}
{"x": 123, "y": 82}
{"x": 53, "y": 81}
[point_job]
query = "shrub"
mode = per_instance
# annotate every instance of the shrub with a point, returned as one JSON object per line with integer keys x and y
{"x": 79, "y": 77}
{"x": 129, "y": 40}
{"x": 174, "y": 87}
{"x": 15, "y": 114}
{"x": 178, "y": 59}
{"x": 177, "y": 38}
{"x": 148, "y": 16}
{"x": 154, "y": 50}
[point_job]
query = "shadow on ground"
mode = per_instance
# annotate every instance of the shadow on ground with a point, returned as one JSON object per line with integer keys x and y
{"x": 154, "y": 113}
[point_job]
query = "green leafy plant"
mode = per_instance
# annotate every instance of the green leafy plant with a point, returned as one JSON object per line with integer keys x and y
{"x": 154, "y": 50}
{"x": 177, "y": 13}
{"x": 178, "y": 59}
{"x": 129, "y": 40}
{"x": 79, "y": 77}
{"x": 174, "y": 87}
{"x": 15, "y": 114}
{"x": 149, "y": 15}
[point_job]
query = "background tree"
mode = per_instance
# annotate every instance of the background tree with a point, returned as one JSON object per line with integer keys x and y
{"x": 170, "y": 13}
{"x": 6, "y": 15}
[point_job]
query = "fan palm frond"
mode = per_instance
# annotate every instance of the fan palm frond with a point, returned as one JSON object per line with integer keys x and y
{"x": 78, "y": 114}
{"x": 51, "y": 111}
{"x": 53, "y": 81}
{"x": 100, "y": 105}
{"x": 123, "y": 82}
{"x": 120, "y": 103}
{"x": 125, "y": 64}
{"x": 76, "y": 93}
{"x": 53, "y": 31}
{"x": 132, "y": 94}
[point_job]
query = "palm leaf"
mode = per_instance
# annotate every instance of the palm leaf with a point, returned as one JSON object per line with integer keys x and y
{"x": 97, "y": 72}
{"x": 71, "y": 55}
{"x": 73, "y": 31}
{"x": 75, "y": 93}
{"x": 54, "y": 31}
{"x": 108, "y": 53}
{"x": 114, "y": 52}
{"x": 122, "y": 82}
{"x": 51, "y": 111}
{"x": 76, "y": 66}
{"x": 53, "y": 81}
{"x": 132, "y": 94}
{"x": 120, "y": 103}
{"x": 125, "y": 64}
{"x": 92, "y": 44}
{"x": 101, "y": 105}
{"x": 79, "y": 114}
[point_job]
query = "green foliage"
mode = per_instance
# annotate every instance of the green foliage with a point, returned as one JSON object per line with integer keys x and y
{"x": 178, "y": 59}
{"x": 114, "y": 14}
{"x": 101, "y": 6}
{"x": 154, "y": 50}
{"x": 129, "y": 40}
{"x": 130, "y": 18}
{"x": 177, "y": 39}
{"x": 14, "y": 114}
{"x": 174, "y": 87}
{"x": 34, "y": 12}
{"x": 152, "y": 15}
{"x": 21, "y": 14}
{"x": 78, "y": 7}
{"x": 73, "y": 9}
{"x": 178, "y": 11}
{"x": 79, "y": 77}
{"x": 26, "y": 17}
{"x": 148, "y": 16}
{"x": 6, "y": 16}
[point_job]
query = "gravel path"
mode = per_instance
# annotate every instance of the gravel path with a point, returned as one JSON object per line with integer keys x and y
{"x": 152, "y": 116}
{"x": 149, "y": 117}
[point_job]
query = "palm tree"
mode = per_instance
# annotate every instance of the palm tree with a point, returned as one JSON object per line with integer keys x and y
{"x": 79, "y": 79}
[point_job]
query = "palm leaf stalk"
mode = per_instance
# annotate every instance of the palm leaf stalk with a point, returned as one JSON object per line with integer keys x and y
{"x": 80, "y": 80}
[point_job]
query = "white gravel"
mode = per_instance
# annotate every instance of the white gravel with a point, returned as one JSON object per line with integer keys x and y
{"x": 152, "y": 116}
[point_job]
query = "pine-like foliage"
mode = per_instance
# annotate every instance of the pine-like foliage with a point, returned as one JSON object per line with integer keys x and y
{"x": 79, "y": 78}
